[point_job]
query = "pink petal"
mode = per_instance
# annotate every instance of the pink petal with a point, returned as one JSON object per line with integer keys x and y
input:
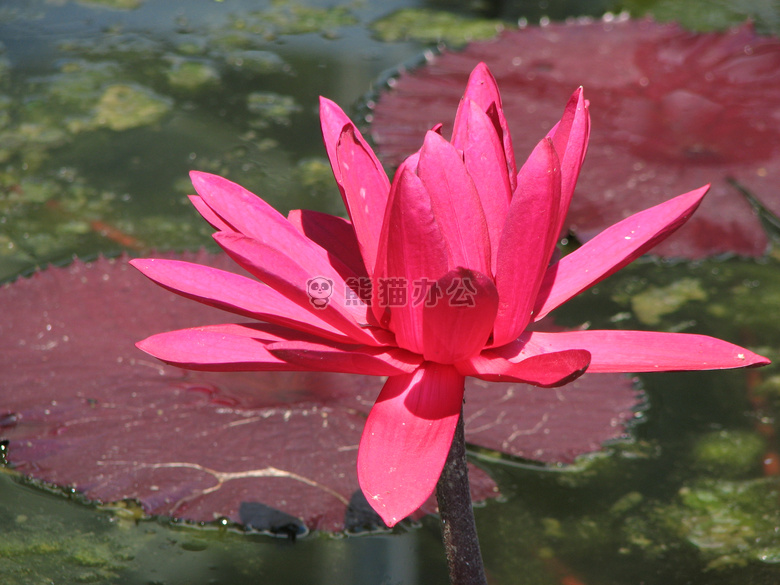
{"x": 407, "y": 438}
{"x": 570, "y": 138}
{"x": 348, "y": 359}
{"x": 646, "y": 351}
{"x": 365, "y": 189}
{"x": 483, "y": 90}
{"x": 365, "y": 172}
{"x": 334, "y": 234}
{"x": 209, "y": 215}
{"x": 485, "y": 161}
{"x": 382, "y": 312}
{"x": 289, "y": 272}
{"x": 528, "y": 241}
{"x": 416, "y": 255}
{"x": 216, "y": 348}
{"x": 247, "y": 214}
{"x": 234, "y": 293}
{"x": 456, "y": 204}
{"x": 547, "y": 369}
{"x": 333, "y": 120}
{"x": 242, "y": 210}
{"x": 612, "y": 249}
{"x": 457, "y": 325}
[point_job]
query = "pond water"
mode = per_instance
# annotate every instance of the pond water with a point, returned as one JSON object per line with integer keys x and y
{"x": 104, "y": 108}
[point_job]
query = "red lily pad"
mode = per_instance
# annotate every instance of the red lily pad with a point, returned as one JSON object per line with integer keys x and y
{"x": 671, "y": 110}
{"x": 83, "y": 408}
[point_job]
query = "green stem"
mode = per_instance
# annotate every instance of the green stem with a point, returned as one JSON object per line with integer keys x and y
{"x": 459, "y": 531}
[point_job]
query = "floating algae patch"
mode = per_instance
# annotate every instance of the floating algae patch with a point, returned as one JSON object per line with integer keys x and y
{"x": 255, "y": 61}
{"x": 28, "y": 143}
{"x": 315, "y": 176}
{"x": 79, "y": 82}
{"x": 114, "y": 44}
{"x": 39, "y": 546}
{"x": 191, "y": 74}
{"x": 723, "y": 298}
{"x": 655, "y": 302}
{"x": 728, "y": 454}
{"x": 46, "y": 219}
{"x": 707, "y": 15}
{"x": 271, "y": 108}
{"x": 114, "y": 4}
{"x": 85, "y": 96}
{"x": 731, "y": 522}
{"x": 715, "y": 523}
{"x": 182, "y": 232}
{"x": 290, "y": 18}
{"x": 125, "y": 106}
{"x": 434, "y": 26}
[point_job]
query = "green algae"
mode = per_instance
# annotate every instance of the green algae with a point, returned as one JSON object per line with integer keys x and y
{"x": 708, "y": 15}
{"x": 730, "y": 522}
{"x": 271, "y": 108}
{"x": 610, "y": 465}
{"x": 729, "y": 454}
{"x": 83, "y": 96}
{"x": 28, "y": 143}
{"x": 115, "y": 45}
{"x": 38, "y": 547}
{"x": 125, "y": 106}
{"x": 316, "y": 176}
{"x": 113, "y": 4}
{"x": 256, "y": 61}
{"x": 80, "y": 82}
{"x": 434, "y": 26}
{"x": 720, "y": 523}
{"x": 192, "y": 75}
{"x": 655, "y": 302}
{"x": 183, "y": 232}
{"x": 290, "y": 18}
{"x": 714, "y": 297}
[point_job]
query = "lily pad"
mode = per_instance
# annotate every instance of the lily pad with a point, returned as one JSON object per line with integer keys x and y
{"x": 83, "y": 408}
{"x": 671, "y": 110}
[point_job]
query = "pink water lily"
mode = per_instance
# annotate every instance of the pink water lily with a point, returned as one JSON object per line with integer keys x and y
{"x": 436, "y": 277}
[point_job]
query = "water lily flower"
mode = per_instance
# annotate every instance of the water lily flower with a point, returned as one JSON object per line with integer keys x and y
{"x": 436, "y": 276}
